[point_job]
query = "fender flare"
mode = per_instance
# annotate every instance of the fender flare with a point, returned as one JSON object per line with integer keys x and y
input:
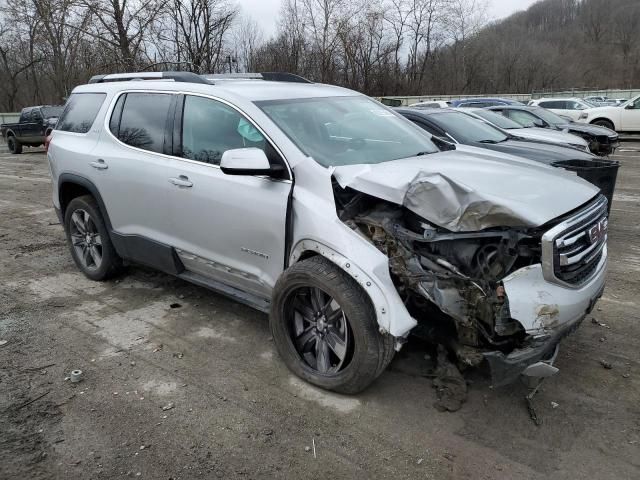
{"x": 368, "y": 284}
{"x": 90, "y": 186}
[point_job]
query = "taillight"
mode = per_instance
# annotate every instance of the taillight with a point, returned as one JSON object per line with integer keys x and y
{"x": 47, "y": 141}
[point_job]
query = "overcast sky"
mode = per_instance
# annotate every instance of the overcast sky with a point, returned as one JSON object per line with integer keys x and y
{"x": 265, "y": 12}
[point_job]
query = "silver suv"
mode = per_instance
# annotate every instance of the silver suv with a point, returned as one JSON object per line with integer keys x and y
{"x": 334, "y": 214}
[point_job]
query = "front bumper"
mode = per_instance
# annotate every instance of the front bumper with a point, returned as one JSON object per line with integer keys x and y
{"x": 548, "y": 312}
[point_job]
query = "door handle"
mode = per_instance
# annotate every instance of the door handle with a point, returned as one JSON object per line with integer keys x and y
{"x": 181, "y": 181}
{"x": 100, "y": 165}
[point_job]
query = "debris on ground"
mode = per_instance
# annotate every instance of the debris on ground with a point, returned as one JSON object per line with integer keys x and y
{"x": 554, "y": 405}
{"x": 169, "y": 406}
{"x": 420, "y": 460}
{"x": 175, "y": 305}
{"x": 158, "y": 348}
{"x": 307, "y": 448}
{"x": 178, "y": 355}
{"x": 29, "y": 402}
{"x": 450, "y": 385}
{"x": 606, "y": 365}
{"x": 3, "y": 342}
{"x": 76, "y": 376}
{"x": 626, "y": 375}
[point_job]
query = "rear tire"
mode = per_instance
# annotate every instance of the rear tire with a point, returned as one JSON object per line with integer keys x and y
{"x": 14, "y": 145}
{"x": 89, "y": 241}
{"x": 338, "y": 348}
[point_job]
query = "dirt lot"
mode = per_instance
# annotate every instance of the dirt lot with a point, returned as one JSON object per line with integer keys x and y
{"x": 238, "y": 412}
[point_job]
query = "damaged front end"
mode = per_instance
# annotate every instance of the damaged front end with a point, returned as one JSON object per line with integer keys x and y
{"x": 459, "y": 285}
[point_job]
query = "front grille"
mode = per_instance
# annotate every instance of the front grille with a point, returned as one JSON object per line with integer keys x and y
{"x": 573, "y": 249}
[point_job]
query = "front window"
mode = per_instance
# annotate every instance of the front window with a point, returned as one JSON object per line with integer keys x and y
{"x": 467, "y": 129}
{"x": 52, "y": 112}
{"x": 339, "y": 131}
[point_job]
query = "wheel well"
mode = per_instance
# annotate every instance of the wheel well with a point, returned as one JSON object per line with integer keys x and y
{"x": 10, "y": 133}
{"x": 602, "y": 119}
{"x": 306, "y": 254}
{"x": 69, "y": 191}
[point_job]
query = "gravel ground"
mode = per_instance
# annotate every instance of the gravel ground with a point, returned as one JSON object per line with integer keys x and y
{"x": 198, "y": 391}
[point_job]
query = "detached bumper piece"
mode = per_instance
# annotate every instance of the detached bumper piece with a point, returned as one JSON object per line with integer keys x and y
{"x": 535, "y": 360}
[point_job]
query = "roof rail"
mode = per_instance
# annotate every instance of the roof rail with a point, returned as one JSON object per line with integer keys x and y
{"x": 187, "y": 77}
{"x": 267, "y": 76}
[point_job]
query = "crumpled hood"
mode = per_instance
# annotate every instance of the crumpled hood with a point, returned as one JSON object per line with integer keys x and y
{"x": 588, "y": 128}
{"x": 471, "y": 189}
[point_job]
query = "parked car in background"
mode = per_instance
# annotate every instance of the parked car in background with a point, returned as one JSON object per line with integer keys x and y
{"x": 334, "y": 214}
{"x": 625, "y": 118}
{"x": 34, "y": 125}
{"x": 461, "y": 127}
{"x": 567, "y": 107}
{"x": 482, "y": 102}
{"x": 602, "y": 141}
{"x": 431, "y": 104}
{"x": 531, "y": 133}
{"x": 599, "y": 100}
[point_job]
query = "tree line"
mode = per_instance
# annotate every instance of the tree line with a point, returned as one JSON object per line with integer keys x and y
{"x": 379, "y": 47}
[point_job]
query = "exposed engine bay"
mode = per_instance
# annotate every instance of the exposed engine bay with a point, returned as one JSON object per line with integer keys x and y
{"x": 449, "y": 281}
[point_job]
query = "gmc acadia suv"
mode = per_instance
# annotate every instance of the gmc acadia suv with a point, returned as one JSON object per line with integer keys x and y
{"x": 334, "y": 214}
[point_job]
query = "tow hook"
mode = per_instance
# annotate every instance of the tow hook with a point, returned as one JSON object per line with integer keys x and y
{"x": 533, "y": 376}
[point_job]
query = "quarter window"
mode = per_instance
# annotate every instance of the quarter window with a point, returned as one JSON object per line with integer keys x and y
{"x": 80, "y": 112}
{"x": 142, "y": 121}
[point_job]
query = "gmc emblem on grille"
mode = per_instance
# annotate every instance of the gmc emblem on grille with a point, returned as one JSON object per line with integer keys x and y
{"x": 598, "y": 231}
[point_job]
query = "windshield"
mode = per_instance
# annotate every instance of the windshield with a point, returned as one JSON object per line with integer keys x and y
{"x": 52, "y": 112}
{"x": 467, "y": 129}
{"x": 497, "y": 119}
{"x": 339, "y": 131}
{"x": 550, "y": 117}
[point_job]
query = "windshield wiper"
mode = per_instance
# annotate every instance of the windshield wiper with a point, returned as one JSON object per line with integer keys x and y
{"x": 419, "y": 154}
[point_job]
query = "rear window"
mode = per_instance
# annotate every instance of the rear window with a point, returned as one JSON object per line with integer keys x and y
{"x": 142, "y": 121}
{"x": 80, "y": 112}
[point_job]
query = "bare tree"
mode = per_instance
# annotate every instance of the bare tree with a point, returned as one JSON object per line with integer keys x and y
{"x": 123, "y": 25}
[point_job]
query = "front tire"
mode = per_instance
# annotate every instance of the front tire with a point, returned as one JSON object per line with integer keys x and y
{"x": 604, "y": 123}
{"x": 14, "y": 145}
{"x": 325, "y": 329}
{"x": 89, "y": 240}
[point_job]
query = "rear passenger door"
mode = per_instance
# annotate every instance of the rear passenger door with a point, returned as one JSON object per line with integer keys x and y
{"x": 230, "y": 228}
{"x": 129, "y": 167}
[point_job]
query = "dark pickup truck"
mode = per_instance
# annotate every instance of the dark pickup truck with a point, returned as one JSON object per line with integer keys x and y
{"x": 34, "y": 126}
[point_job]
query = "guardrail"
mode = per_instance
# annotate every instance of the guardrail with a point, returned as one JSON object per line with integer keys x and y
{"x": 521, "y": 97}
{"x": 9, "y": 117}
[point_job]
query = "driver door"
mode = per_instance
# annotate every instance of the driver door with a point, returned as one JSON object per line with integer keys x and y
{"x": 229, "y": 228}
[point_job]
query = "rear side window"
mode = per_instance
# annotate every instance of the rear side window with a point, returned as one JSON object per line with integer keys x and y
{"x": 142, "y": 120}
{"x": 80, "y": 112}
{"x": 554, "y": 104}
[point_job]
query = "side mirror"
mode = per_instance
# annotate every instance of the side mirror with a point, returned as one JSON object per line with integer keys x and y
{"x": 538, "y": 122}
{"x": 245, "y": 161}
{"x": 443, "y": 144}
{"x": 631, "y": 106}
